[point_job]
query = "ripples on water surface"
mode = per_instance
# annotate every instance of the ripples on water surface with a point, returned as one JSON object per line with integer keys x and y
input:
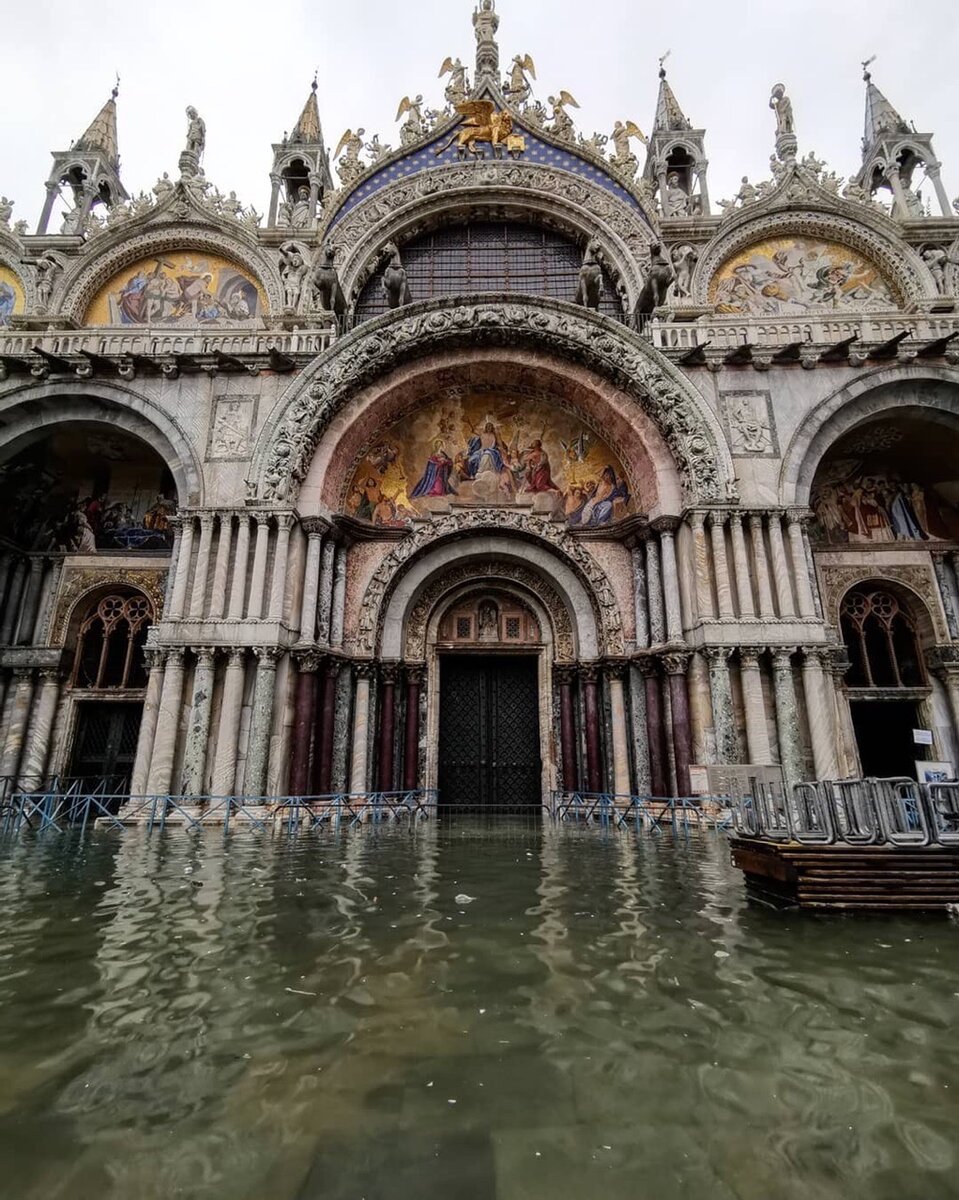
{"x": 607, "y": 1018}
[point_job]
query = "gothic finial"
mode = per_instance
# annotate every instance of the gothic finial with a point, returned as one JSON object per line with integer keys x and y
{"x": 116, "y": 87}
{"x": 662, "y": 68}
{"x": 865, "y": 68}
{"x": 316, "y": 80}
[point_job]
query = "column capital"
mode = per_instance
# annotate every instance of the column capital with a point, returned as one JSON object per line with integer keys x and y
{"x": 755, "y": 520}
{"x": 235, "y": 657}
{"x": 648, "y": 666}
{"x": 153, "y": 657}
{"x": 565, "y": 673}
{"x": 615, "y": 668}
{"x": 819, "y": 655}
{"x": 589, "y": 672}
{"x": 284, "y": 520}
{"x": 314, "y": 527}
{"x": 268, "y": 656}
{"x": 716, "y": 654}
{"x": 735, "y": 518}
{"x": 45, "y": 674}
{"x": 390, "y": 672}
{"x": 175, "y": 655}
{"x": 205, "y": 655}
{"x": 665, "y": 526}
{"x": 415, "y": 673}
{"x": 206, "y": 520}
{"x": 676, "y": 662}
{"x": 697, "y": 519}
{"x": 749, "y": 657}
{"x": 717, "y": 518}
{"x": 943, "y": 660}
{"x": 262, "y": 518}
{"x": 308, "y": 662}
{"x": 782, "y": 657}
{"x": 364, "y": 670}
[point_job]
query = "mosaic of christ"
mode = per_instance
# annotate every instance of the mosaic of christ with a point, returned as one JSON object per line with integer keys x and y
{"x": 490, "y": 453}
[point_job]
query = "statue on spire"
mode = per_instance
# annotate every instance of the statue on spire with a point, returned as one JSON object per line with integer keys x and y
{"x": 485, "y": 25}
{"x": 786, "y": 143}
{"x": 195, "y": 144}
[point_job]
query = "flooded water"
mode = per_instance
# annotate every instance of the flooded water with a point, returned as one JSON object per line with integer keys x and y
{"x": 458, "y": 1013}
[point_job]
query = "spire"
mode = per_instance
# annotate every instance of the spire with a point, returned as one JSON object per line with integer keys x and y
{"x": 307, "y": 129}
{"x": 675, "y": 170}
{"x": 882, "y": 120}
{"x": 668, "y": 113}
{"x": 301, "y": 171}
{"x": 101, "y": 134}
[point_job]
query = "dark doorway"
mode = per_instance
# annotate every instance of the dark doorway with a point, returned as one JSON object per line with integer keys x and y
{"x": 884, "y": 736}
{"x": 489, "y": 756}
{"x": 106, "y": 744}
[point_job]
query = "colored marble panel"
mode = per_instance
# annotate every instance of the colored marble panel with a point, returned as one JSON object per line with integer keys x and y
{"x": 490, "y": 452}
{"x": 790, "y": 276}
{"x": 11, "y": 295}
{"x": 179, "y": 288}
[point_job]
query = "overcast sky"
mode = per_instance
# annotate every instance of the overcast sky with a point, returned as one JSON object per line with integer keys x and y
{"x": 247, "y": 67}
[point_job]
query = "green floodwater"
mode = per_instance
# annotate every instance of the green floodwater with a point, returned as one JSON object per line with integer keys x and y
{"x": 608, "y": 1017}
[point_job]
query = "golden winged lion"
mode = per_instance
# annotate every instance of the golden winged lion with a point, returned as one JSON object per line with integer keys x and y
{"x": 481, "y": 123}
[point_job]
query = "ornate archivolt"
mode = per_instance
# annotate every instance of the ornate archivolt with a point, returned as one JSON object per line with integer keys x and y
{"x": 78, "y": 583}
{"x": 556, "y": 538}
{"x": 913, "y": 577}
{"x": 691, "y": 432}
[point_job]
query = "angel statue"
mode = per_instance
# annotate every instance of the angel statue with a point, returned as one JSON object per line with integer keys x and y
{"x": 517, "y": 87}
{"x": 412, "y": 127}
{"x": 624, "y": 160}
{"x": 349, "y": 166}
{"x": 562, "y": 126}
{"x": 458, "y": 88}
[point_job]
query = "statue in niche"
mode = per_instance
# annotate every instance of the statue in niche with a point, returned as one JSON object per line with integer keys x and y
{"x": 47, "y": 270}
{"x": 327, "y": 293}
{"x": 677, "y": 198}
{"x": 395, "y": 282}
{"x": 937, "y": 259}
{"x": 458, "y": 88}
{"x": 590, "y": 288}
{"x": 518, "y": 88}
{"x": 657, "y": 283}
{"x": 488, "y": 622}
{"x": 301, "y": 213}
{"x": 196, "y": 132}
{"x": 684, "y": 259}
{"x": 293, "y": 271}
{"x": 782, "y": 106}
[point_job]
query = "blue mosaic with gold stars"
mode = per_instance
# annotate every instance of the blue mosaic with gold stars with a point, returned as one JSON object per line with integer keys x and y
{"x": 537, "y": 151}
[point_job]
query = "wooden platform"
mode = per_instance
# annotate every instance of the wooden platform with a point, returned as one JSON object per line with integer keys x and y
{"x": 863, "y": 878}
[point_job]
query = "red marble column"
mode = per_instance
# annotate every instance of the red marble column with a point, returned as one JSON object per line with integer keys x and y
{"x": 567, "y": 730}
{"x": 323, "y": 773}
{"x": 387, "y": 728}
{"x": 303, "y": 718}
{"x": 655, "y": 733}
{"x": 411, "y": 749}
{"x": 675, "y": 665}
{"x": 594, "y": 777}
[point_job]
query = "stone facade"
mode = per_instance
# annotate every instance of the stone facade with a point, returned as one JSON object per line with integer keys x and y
{"x": 776, "y": 382}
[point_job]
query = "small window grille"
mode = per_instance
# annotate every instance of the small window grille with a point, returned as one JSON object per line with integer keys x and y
{"x": 464, "y": 627}
{"x": 512, "y": 627}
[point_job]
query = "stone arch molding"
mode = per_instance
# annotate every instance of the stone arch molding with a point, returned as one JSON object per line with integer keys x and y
{"x": 687, "y": 426}
{"x": 540, "y": 549}
{"x": 912, "y": 578}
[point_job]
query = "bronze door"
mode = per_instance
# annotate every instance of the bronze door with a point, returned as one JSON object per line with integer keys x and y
{"x": 106, "y": 743}
{"x": 489, "y": 757}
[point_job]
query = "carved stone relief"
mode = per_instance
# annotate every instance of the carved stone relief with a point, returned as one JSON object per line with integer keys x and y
{"x": 750, "y": 424}
{"x": 231, "y": 428}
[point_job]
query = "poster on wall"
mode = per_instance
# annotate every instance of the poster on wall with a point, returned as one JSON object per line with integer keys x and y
{"x": 935, "y": 772}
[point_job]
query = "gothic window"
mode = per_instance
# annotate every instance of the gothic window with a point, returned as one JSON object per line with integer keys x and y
{"x": 881, "y": 640}
{"x": 109, "y": 651}
{"x": 487, "y": 256}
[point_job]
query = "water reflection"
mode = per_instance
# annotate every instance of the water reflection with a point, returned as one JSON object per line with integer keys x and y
{"x": 323, "y": 1017}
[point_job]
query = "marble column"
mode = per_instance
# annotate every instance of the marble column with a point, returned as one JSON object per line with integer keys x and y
{"x": 304, "y": 719}
{"x": 258, "y": 582}
{"x": 701, "y": 573}
{"x": 674, "y": 617}
{"x": 38, "y": 742}
{"x": 787, "y": 717}
{"x": 11, "y": 613}
{"x": 800, "y": 568}
{"x": 620, "y": 737}
{"x": 640, "y": 601}
{"x": 947, "y": 591}
{"x": 675, "y": 665}
{"x": 361, "y": 723}
{"x": 339, "y": 599}
{"x": 780, "y": 566}
{"x": 22, "y": 688}
{"x": 238, "y": 584}
{"x": 762, "y": 565}
{"x": 327, "y": 727}
{"x": 6, "y": 567}
{"x": 655, "y": 729}
{"x": 724, "y": 597}
{"x": 594, "y": 766}
{"x": 325, "y": 594}
{"x": 744, "y": 588}
{"x": 567, "y": 728}
{"x": 281, "y": 556}
{"x": 818, "y": 714}
{"x": 184, "y": 561}
{"x": 148, "y": 722}
{"x": 311, "y": 584}
{"x": 31, "y": 601}
{"x": 387, "y": 728}
{"x": 758, "y": 750}
{"x": 411, "y": 749}
{"x": 202, "y": 572}
{"x": 637, "y": 698}
{"x": 261, "y": 721}
{"x": 48, "y": 596}
{"x": 221, "y": 567}
{"x": 720, "y": 690}
{"x": 948, "y": 674}
{"x": 198, "y": 730}
{"x": 654, "y": 590}
{"x": 838, "y": 664}
{"x": 228, "y": 730}
{"x": 168, "y": 725}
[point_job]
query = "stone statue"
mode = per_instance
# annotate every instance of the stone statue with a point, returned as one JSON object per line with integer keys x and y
{"x": 747, "y": 193}
{"x": 937, "y": 259}
{"x": 677, "y": 198}
{"x": 660, "y": 276}
{"x": 517, "y": 87}
{"x": 412, "y": 128}
{"x": 196, "y": 133}
{"x": 782, "y": 106}
{"x": 47, "y": 271}
{"x": 6, "y": 210}
{"x": 485, "y": 24}
{"x": 395, "y": 283}
{"x": 684, "y": 259}
{"x": 20, "y": 228}
{"x": 293, "y": 271}
{"x": 301, "y": 214}
{"x": 595, "y": 144}
{"x": 350, "y": 167}
{"x": 327, "y": 294}
{"x": 622, "y": 132}
{"x": 458, "y": 88}
{"x": 376, "y": 150}
{"x": 955, "y": 206}
{"x": 562, "y": 126}
{"x": 590, "y": 288}
{"x": 163, "y": 186}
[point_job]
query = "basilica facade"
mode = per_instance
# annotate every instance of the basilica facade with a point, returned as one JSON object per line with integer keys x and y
{"x": 502, "y": 462}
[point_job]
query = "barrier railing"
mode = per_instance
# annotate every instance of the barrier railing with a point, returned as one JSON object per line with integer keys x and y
{"x": 649, "y": 813}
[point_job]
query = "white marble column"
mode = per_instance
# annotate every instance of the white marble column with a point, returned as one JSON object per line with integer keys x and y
{"x": 797, "y": 548}
{"x": 241, "y": 561}
{"x": 198, "y": 730}
{"x": 202, "y": 572}
{"x": 281, "y": 557}
{"x": 674, "y": 617}
{"x": 228, "y": 730}
{"x": 50, "y": 585}
{"x": 640, "y": 602}
{"x": 620, "y": 736}
{"x": 160, "y": 775}
{"x": 19, "y": 704}
{"x": 701, "y": 572}
{"x": 637, "y": 704}
{"x": 148, "y": 723}
{"x": 338, "y": 613}
{"x": 38, "y": 740}
{"x": 311, "y": 585}
{"x": 327, "y": 572}
{"x": 744, "y": 587}
{"x": 780, "y": 566}
{"x": 654, "y": 585}
{"x": 258, "y": 582}
{"x": 727, "y": 743}
{"x": 787, "y": 718}
{"x": 261, "y": 721}
{"x": 819, "y": 714}
{"x": 759, "y": 751}
{"x": 181, "y": 576}
{"x": 762, "y": 565}
{"x": 361, "y": 724}
{"x": 724, "y": 599}
{"x": 221, "y": 568}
